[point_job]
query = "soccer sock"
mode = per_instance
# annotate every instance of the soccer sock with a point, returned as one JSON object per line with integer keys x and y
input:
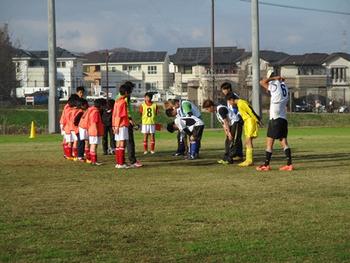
{"x": 288, "y": 153}
{"x": 145, "y": 146}
{"x": 87, "y": 154}
{"x": 267, "y": 157}
{"x": 68, "y": 151}
{"x": 64, "y": 148}
{"x": 249, "y": 155}
{"x": 122, "y": 155}
{"x": 116, "y": 152}
{"x": 153, "y": 143}
{"x": 193, "y": 148}
{"x": 93, "y": 157}
{"x": 75, "y": 152}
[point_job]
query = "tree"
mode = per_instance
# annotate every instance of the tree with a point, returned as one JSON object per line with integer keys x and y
{"x": 8, "y": 80}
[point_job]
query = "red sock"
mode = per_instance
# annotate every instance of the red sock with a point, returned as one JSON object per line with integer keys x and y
{"x": 153, "y": 143}
{"x": 145, "y": 146}
{"x": 64, "y": 148}
{"x": 87, "y": 154}
{"x": 68, "y": 150}
{"x": 122, "y": 155}
{"x": 116, "y": 155}
{"x": 93, "y": 157}
{"x": 75, "y": 152}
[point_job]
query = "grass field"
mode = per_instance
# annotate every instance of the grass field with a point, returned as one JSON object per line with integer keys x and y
{"x": 53, "y": 210}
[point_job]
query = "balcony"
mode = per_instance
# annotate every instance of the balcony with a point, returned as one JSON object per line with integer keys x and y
{"x": 310, "y": 81}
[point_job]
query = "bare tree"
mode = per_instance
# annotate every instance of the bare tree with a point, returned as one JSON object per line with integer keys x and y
{"x": 8, "y": 81}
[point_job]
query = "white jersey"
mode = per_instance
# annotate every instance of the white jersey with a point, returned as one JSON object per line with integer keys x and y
{"x": 194, "y": 109}
{"x": 188, "y": 122}
{"x": 279, "y": 99}
{"x": 232, "y": 117}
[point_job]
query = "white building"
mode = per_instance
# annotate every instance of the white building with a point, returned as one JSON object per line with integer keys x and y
{"x": 149, "y": 71}
{"x": 338, "y": 71}
{"x": 32, "y": 72}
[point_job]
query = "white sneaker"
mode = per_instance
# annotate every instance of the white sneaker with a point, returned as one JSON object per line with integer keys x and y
{"x": 145, "y": 152}
{"x": 121, "y": 166}
{"x": 153, "y": 152}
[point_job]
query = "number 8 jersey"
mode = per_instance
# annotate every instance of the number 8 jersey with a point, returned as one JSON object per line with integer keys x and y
{"x": 149, "y": 113}
{"x": 279, "y": 99}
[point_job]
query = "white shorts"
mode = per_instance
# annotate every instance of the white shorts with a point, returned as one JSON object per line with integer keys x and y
{"x": 83, "y": 134}
{"x": 74, "y": 136}
{"x": 62, "y": 130}
{"x": 123, "y": 134}
{"x": 94, "y": 139}
{"x": 68, "y": 138}
{"x": 148, "y": 128}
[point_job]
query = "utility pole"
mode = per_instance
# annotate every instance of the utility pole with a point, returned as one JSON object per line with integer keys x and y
{"x": 53, "y": 98}
{"x": 107, "y": 80}
{"x": 255, "y": 57}
{"x": 212, "y": 119}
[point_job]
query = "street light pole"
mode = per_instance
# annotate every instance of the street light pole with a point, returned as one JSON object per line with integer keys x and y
{"x": 212, "y": 119}
{"x": 107, "y": 80}
{"x": 53, "y": 98}
{"x": 255, "y": 57}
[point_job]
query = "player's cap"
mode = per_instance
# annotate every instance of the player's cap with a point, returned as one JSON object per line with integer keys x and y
{"x": 270, "y": 73}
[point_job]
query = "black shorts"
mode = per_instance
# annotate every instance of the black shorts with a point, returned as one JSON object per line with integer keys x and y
{"x": 278, "y": 129}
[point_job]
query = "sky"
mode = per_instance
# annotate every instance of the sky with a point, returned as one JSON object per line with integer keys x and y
{"x": 164, "y": 25}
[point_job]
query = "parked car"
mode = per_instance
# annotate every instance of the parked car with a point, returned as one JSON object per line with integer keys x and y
{"x": 100, "y": 95}
{"x": 303, "y": 108}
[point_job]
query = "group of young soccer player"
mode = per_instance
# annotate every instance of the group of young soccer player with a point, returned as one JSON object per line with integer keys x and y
{"x": 84, "y": 126}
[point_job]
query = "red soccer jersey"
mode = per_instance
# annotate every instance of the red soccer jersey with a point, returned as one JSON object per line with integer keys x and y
{"x": 63, "y": 115}
{"x": 85, "y": 118}
{"x": 69, "y": 119}
{"x": 120, "y": 116}
{"x": 95, "y": 124}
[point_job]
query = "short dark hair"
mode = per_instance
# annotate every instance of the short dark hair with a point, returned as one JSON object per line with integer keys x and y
{"x": 231, "y": 96}
{"x": 98, "y": 103}
{"x": 149, "y": 94}
{"x": 207, "y": 104}
{"x": 124, "y": 90}
{"x": 168, "y": 112}
{"x": 170, "y": 127}
{"x": 80, "y": 88}
{"x": 72, "y": 101}
{"x": 226, "y": 85}
{"x": 84, "y": 102}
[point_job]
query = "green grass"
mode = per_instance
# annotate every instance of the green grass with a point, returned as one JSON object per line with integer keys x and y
{"x": 17, "y": 121}
{"x": 52, "y": 210}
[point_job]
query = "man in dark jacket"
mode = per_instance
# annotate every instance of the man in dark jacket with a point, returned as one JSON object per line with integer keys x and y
{"x": 108, "y": 131}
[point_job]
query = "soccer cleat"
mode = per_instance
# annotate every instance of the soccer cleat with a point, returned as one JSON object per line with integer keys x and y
{"x": 178, "y": 154}
{"x": 263, "y": 167}
{"x": 75, "y": 159}
{"x": 137, "y": 164}
{"x": 88, "y": 161}
{"x": 122, "y": 166}
{"x": 70, "y": 158}
{"x": 145, "y": 152}
{"x": 222, "y": 162}
{"x": 80, "y": 159}
{"x": 153, "y": 152}
{"x": 246, "y": 163}
{"x": 287, "y": 168}
{"x": 237, "y": 158}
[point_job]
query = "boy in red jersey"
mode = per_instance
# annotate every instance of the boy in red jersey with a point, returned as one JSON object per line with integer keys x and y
{"x": 120, "y": 123}
{"x": 84, "y": 135}
{"x": 95, "y": 130}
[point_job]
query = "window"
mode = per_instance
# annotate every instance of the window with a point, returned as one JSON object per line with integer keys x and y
{"x": 113, "y": 69}
{"x": 97, "y": 68}
{"x": 60, "y": 82}
{"x": 151, "y": 86}
{"x": 61, "y": 64}
{"x": 152, "y": 69}
{"x": 86, "y": 69}
{"x": 187, "y": 70}
{"x": 131, "y": 67}
{"x": 18, "y": 67}
{"x": 338, "y": 74}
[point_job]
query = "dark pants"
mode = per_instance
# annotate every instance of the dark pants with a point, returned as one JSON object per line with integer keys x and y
{"x": 234, "y": 147}
{"x": 130, "y": 144}
{"x": 198, "y": 133}
{"x": 108, "y": 131}
{"x": 81, "y": 147}
{"x": 181, "y": 144}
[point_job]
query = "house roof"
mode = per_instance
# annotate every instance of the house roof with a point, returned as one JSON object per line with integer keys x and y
{"x": 201, "y": 55}
{"x": 126, "y": 57}
{"x": 338, "y": 54}
{"x": 43, "y": 54}
{"x": 310, "y": 59}
{"x": 268, "y": 55}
